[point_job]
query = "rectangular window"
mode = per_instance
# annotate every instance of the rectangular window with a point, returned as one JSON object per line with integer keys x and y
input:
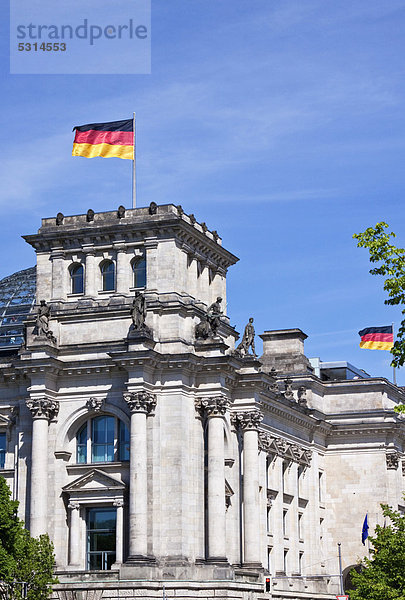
{"x": 300, "y": 562}
{"x": 285, "y": 474}
{"x": 123, "y": 444}
{"x": 103, "y": 439}
{"x": 285, "y": 561}
{"x": 285, "y": 511}
{"x": 101, "y": 536}
{"x": 300, "y": 534}
{"x": 269, "y": 549}
{"x": 320, "y": 486}
{"x": 2, "y": 450}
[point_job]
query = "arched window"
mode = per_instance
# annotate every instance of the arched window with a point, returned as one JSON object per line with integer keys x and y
{"x": 76, "y": 278}
{"x": 102, "y": 439}
{"x": 139, "y": 272}
{"x": 108, "y": 275}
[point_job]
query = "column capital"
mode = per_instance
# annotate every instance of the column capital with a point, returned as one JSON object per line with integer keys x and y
{"x": 141, "y": 402}
{"x": 212, "y": 407}
{"x": 118, "y": 503}
{"x": 247, "y": 419}
{"x": 42, "y": 408}
{"x": 74, "y": 505}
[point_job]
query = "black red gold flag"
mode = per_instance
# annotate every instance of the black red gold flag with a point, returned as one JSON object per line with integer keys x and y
{"x": 113, "y": 139}
{"x": 377, "y": 338}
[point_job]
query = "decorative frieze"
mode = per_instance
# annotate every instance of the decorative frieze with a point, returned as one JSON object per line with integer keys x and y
{"x": 392, "y": 459}
{"x": 272, "y": 444}
{"x": 140, "y": 401}
{"x": 212, "y": 407}
{"x": 96, "y": 404}
{"x": 248, "y": 419}
{"x": 43, "y": 408}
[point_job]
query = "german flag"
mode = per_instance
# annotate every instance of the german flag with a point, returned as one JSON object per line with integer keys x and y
{"x": 377, "y": 338}
{"x": 114, "y": 139}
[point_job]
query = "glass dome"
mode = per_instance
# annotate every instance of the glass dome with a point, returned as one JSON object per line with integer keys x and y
{"x": 17, "y": 297}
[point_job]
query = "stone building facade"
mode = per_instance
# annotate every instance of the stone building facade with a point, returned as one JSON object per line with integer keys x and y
{"x": 157, "y": 458}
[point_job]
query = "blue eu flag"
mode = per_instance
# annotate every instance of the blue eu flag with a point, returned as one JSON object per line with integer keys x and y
{"x": 364, "y": 531}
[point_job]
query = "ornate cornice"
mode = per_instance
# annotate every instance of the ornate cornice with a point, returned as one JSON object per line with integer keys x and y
{"x": 272, "y": 444}
{"x": 43, "y": 408}
{"x": 142, "y": 402}
{"x": 247, "y": 419}
{"x": 392, "y": 459}
{"x": 212, "y": 407}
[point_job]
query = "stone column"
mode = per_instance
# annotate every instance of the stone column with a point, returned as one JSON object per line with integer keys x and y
{"x": 294, "y": 536}
{"x": 74, "y": 538}
{"x": 215, "y": 409}
{"x": 119, "y": 544}
{"x": 249, "y": 421}
{"x": 90, "y": 273}
{"x": 42, "y": 410}
{"x": 123, "y": 275}
{"x": 59, "y": 274}
{"x": 140, "y": 404}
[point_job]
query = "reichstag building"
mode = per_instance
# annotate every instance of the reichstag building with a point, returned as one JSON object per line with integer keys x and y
{"x": 160, "y": 454}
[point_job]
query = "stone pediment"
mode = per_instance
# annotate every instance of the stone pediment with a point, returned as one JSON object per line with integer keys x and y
{"x": 94, "y": 480}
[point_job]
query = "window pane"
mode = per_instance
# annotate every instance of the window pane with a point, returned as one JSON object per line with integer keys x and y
{"x": 76, "y": 274}
{"x": 139, "y": 270}
{"x": 82, "y": 435}
{"x": 2, "y": 450}
{"x": 102, "y": 541}
{"x": 123, "y": 451}
{"x": 82, "y": 444}
{"x": 108, "y": 276}
{"x": 95, "y": 563}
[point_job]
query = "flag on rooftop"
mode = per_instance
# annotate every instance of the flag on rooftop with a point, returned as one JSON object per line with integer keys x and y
{"x": 113, "y": 139}
{"x": 377, "y": 338}
{"x": 364, "y": 531}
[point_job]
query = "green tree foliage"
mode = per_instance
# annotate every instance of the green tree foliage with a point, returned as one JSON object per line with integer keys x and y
{"x": 22, "y": 558}
{"x": 392, "y": 266}
{"x": 383, "y": 575}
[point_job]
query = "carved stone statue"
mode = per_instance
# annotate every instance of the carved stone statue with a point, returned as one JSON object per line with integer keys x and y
{"x": 138, "y": 311}
{"x": 203, "y": 329}
{"x": 248, "y": 339}
{"x": 42, "y": 322}
{"x": 214, "y": 315}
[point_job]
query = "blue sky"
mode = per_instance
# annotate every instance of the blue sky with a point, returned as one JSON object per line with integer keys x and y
{"x": 280, "y": 123}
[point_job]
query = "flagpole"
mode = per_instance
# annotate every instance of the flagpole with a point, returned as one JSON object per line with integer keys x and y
{"x": 340, "y": 569}
{"x": 134, "y": 169}
{"x": 395, "y": 374}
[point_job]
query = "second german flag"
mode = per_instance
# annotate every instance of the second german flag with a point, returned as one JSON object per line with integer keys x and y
{"x": 113, "y": 139}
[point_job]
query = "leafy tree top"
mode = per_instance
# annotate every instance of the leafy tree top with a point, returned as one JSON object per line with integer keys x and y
{"x": 383, "y": 574}
{"x": 22, "y": 558}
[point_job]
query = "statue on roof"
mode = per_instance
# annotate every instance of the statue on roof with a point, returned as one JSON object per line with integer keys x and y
{"x": 138, "y": 311}
{"x": 42, "y": 322}
{"x": 214, "y": 315}
{"x": 248, "y": 340}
